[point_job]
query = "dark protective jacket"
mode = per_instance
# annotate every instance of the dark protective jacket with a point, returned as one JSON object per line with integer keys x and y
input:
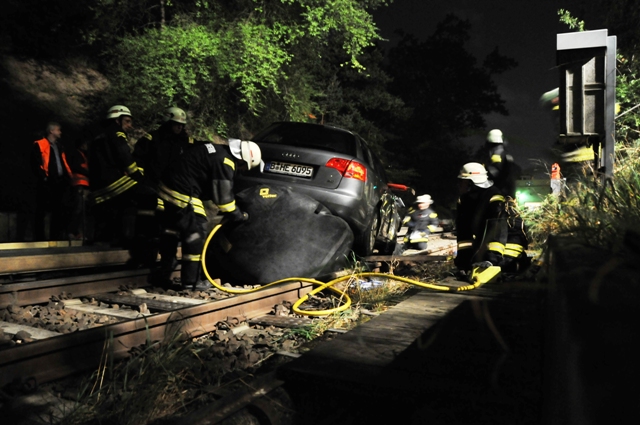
{"x": 43, "y": 158}
{"x": 481, "y": 227}
{"x": 500, "y": 168}
{"x": 421, "y": 220}
{"x": 113, "y": 170}
{"x": 204, "y": 172}
{"x": 155, "y": 152}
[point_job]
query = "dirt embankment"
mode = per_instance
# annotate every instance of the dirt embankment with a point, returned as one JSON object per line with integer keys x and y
{"x": 34, "y": 93}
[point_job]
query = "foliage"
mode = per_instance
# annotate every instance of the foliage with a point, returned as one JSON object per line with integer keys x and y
{"x": 570, "y": 20}
{"x": 603, "y": 212}
{"x": 448, "y": 92}
{"x": 157, "y": 380}
{"x": 595, "y": 212}
{"x": 238, "y": 53}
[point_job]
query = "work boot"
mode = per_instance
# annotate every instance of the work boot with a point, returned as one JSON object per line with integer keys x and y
{"x": 201, "y": 285}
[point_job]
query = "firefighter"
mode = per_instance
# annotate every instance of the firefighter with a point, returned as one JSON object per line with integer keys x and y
{"x": 481, "y": 220}
{"x": 204, "y": 172}
{"x": 49, "y": 164}
{"x": 122, "y": 205}
{"x": 499, "y": 164}
{"x": 156, "y": 151}
{"x": 420, "y": 221}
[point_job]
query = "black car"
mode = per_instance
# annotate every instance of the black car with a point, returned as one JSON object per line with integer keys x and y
{"x": 335, "y": 167}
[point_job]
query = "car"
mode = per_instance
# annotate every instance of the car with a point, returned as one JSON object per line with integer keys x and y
{"x": 337, "y": 168}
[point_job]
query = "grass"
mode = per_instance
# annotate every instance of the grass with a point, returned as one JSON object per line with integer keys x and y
{"x": 597, "y": 212}
{"x": 157, "y": 380}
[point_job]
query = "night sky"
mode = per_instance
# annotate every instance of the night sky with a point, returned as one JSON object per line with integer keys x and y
{"x": 521, "y": 29}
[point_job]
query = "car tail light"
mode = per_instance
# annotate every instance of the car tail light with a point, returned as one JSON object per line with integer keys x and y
{"x": 349, "y": 169}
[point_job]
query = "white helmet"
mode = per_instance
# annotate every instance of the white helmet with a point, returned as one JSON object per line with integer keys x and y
{"x": 495, "y": 136}
{"x": 476, "y": 173}
{"x": 118, "y": 111}
{"x": 251, "y": 154}
{"x": 175, "y": 114}
{"x": 424, "y": 199}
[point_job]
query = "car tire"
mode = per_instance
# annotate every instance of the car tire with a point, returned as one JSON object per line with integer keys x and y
{"x": 389, "y": 247}
{"x": 366, "y": 242}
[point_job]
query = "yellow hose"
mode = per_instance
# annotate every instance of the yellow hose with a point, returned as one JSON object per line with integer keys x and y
{"x": 322, "y": 285}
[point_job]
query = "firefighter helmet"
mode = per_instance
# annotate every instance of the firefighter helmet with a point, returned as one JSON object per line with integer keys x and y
{"x": 475, "y": 172}
{"x": 495, "y": 136}
{"x": 251, "y": 154}
{"x": 175, "y": 114}
{"x": 424, "y": 199}
{"x": 117, "y": 111}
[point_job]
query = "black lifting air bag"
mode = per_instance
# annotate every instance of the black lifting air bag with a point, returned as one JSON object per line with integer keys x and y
{"x": 287, "y": 235}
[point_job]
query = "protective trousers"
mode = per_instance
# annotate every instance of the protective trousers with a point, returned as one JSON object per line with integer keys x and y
{"x": 515, "y": 256}
{"x": 185, "y": 226}
{"x": 129, "y": 221}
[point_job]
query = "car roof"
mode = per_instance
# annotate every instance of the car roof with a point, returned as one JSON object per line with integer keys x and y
{"x": 308, "y": 125}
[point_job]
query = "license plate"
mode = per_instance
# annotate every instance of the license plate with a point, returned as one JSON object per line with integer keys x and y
{"x": 289, "y": 169}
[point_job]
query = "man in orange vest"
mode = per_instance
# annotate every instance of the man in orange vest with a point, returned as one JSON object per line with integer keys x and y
{"x": 556, "y": 180}
{"x": 52, "y": 171}
{"x": 79, "y": 164}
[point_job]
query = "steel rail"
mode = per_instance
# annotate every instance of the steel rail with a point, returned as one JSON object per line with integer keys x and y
{"x": 61, "y": 356}
{"x": 58, "y": 259}
{"x": 39, "y": 292}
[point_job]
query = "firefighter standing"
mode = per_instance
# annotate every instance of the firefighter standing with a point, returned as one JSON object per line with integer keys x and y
{"x": 121, "y": 204}
{"x": 499, "y": 164}
{"x": 204, "y": 172}
{"x": 481, "y": 220}
{"x": 49, "y": 164}
{"x": 420, "y": 221}
{"x": 156, "y": 151}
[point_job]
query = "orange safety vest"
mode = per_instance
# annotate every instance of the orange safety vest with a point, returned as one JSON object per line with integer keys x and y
{"x": 45, "y": 150}
{"x": 81, "y": 178}
{"x": 555, "y": 172}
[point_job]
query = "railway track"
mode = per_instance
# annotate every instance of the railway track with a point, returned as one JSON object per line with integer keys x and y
{"x": 142, "y": 315}
{"x": 116, "y": 307}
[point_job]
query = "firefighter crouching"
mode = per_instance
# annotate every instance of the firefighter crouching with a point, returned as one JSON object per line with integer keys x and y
{"x": 123, "y": 208}
{"x": 481, "y": 221}
{"x": 420, "y": 221}
{"x": 204, "y": 172}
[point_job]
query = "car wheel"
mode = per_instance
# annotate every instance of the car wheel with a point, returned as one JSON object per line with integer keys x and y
{"x": 366, "y": 242}
{"x": 390, "y": 247}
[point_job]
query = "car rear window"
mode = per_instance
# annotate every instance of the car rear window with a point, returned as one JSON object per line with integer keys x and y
{"x": 310, "y": 136}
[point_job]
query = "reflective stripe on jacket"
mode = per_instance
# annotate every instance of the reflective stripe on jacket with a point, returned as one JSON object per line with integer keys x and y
{"x": 180, "y": 200}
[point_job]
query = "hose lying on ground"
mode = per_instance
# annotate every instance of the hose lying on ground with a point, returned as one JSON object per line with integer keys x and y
{"x": 346, "y": 301}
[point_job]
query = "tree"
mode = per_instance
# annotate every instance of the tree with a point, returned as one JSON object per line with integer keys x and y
{"x": 226, "y": 59}
{"x": 449, "y": 94}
